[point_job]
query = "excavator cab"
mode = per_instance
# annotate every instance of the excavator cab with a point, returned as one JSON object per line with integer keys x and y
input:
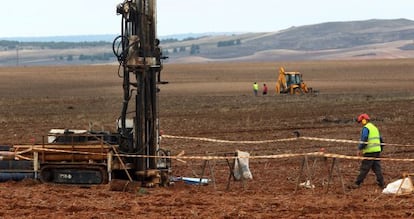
{"x": 293, "y": 78}
{"x": 294, "y": 83}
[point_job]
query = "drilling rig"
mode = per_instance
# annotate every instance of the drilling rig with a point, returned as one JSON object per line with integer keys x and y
{"x": 139, "y": 55}
{"x": 132, "y": 152}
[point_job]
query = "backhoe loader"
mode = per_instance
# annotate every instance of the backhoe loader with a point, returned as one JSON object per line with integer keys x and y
{"x": 291, "y": 83}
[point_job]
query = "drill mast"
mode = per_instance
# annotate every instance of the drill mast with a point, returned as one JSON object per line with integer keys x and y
{"x": 138, "y": 52}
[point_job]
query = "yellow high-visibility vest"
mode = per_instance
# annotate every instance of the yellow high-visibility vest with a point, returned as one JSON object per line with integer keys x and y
{"x": 374, "y": 142}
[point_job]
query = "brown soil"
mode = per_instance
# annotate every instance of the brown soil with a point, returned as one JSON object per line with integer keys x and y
{"x": 215, "y": 101}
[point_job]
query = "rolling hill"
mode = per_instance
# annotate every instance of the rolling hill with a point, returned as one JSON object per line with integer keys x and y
{"x": 369, "y": 39}
{"x": 333, "y": 40}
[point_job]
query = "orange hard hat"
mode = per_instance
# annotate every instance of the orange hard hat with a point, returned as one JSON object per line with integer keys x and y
{"x": 363, "y": 116}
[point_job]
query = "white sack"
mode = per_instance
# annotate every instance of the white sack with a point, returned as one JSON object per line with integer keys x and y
{"x": 241, "y": 166}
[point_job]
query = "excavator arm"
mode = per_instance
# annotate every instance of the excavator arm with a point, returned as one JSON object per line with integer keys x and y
{"x": 281, "y": 81}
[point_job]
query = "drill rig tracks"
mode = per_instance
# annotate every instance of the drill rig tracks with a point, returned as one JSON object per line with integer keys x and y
{"x": 74, "y": 173}
{"x": 77, "y": 164}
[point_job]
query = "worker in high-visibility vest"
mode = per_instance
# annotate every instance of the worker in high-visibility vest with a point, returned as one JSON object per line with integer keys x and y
{"x": 255, "y": 88}
{"x": 371, "y": 146}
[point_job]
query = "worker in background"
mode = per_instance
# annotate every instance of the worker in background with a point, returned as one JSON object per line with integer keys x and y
{"x": 264, "y": 90}
{"x": 370, "y": 146}
{"x": 255, "y": 88}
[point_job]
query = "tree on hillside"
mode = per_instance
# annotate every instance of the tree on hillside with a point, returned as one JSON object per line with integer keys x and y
{"x": 195, "y": 49}
{"x": 228, "y": 43}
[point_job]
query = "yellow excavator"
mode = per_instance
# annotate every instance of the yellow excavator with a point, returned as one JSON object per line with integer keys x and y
{"x": 291, "y": 83}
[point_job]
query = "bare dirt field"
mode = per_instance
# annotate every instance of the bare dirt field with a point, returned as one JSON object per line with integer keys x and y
{"x": 215, "y": 100}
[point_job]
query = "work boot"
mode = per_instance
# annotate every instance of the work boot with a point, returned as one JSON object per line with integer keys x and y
{"x": 382, "y": 185}
{"x": 353, "y": 186}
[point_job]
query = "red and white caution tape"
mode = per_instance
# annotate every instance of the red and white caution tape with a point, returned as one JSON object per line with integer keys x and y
{"x": 278, "y": 140}
{"x": 228, "y": 141}
{"x": 19, "y": 154}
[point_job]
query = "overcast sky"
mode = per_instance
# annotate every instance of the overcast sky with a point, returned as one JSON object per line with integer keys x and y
{"x": 85, "y": 17}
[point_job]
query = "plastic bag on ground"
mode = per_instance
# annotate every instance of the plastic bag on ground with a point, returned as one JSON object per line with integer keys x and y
{"x": 399, "y": 187}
